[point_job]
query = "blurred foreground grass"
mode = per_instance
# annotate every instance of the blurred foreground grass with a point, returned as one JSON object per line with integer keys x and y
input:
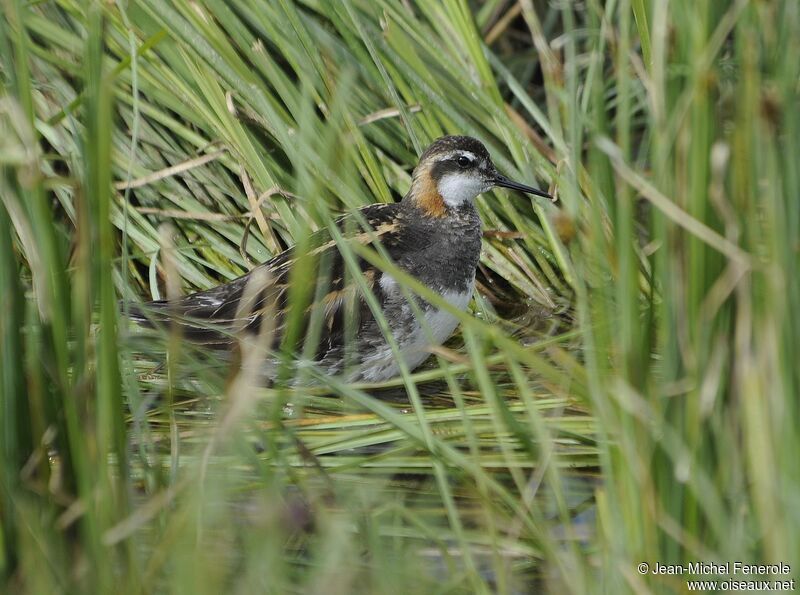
{"x": 625, "y": 389}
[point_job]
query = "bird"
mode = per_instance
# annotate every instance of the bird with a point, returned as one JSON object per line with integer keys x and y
{"x": 433, "y": 234}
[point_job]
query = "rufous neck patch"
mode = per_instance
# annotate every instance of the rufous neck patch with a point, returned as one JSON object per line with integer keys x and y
{"x": 425, "y": 194}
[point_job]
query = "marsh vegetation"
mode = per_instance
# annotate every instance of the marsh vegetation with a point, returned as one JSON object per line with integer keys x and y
{"x": 624, "y": 388}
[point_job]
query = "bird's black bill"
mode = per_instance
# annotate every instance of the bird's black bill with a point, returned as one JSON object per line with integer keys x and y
{"x": 506, "y": 183}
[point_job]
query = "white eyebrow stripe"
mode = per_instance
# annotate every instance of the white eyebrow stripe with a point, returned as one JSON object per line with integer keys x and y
{"x": 458, "y": 153}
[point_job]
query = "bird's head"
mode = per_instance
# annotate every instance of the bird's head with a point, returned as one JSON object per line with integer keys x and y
{"x": 452, "y": 171}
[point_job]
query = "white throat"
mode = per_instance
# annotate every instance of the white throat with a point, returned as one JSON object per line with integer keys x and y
{"x": 456, "y": 189}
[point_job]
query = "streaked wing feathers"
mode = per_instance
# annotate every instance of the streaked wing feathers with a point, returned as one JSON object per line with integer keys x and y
{"x": 213, "y": 317}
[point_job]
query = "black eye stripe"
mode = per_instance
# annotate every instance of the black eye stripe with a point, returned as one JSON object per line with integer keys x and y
{"x": 464, "y": 161}
{"x": 449, "y": 165}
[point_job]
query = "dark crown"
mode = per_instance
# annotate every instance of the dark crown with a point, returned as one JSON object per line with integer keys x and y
{"x": 447, "y": 144}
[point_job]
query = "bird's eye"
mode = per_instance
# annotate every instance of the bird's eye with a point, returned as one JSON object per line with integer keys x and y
{"x": 464, "y": 162}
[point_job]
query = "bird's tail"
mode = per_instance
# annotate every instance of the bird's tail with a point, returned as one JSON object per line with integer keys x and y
{"x": 169, "y": 317}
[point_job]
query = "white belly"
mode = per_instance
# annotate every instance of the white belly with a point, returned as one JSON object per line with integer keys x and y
{"x": 438, "y": 324}
{"x": 434, "y": 328}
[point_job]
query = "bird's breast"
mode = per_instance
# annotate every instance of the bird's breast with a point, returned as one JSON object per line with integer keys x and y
{"x": 438, "y": 324}
{"x": 446, "y": 264}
